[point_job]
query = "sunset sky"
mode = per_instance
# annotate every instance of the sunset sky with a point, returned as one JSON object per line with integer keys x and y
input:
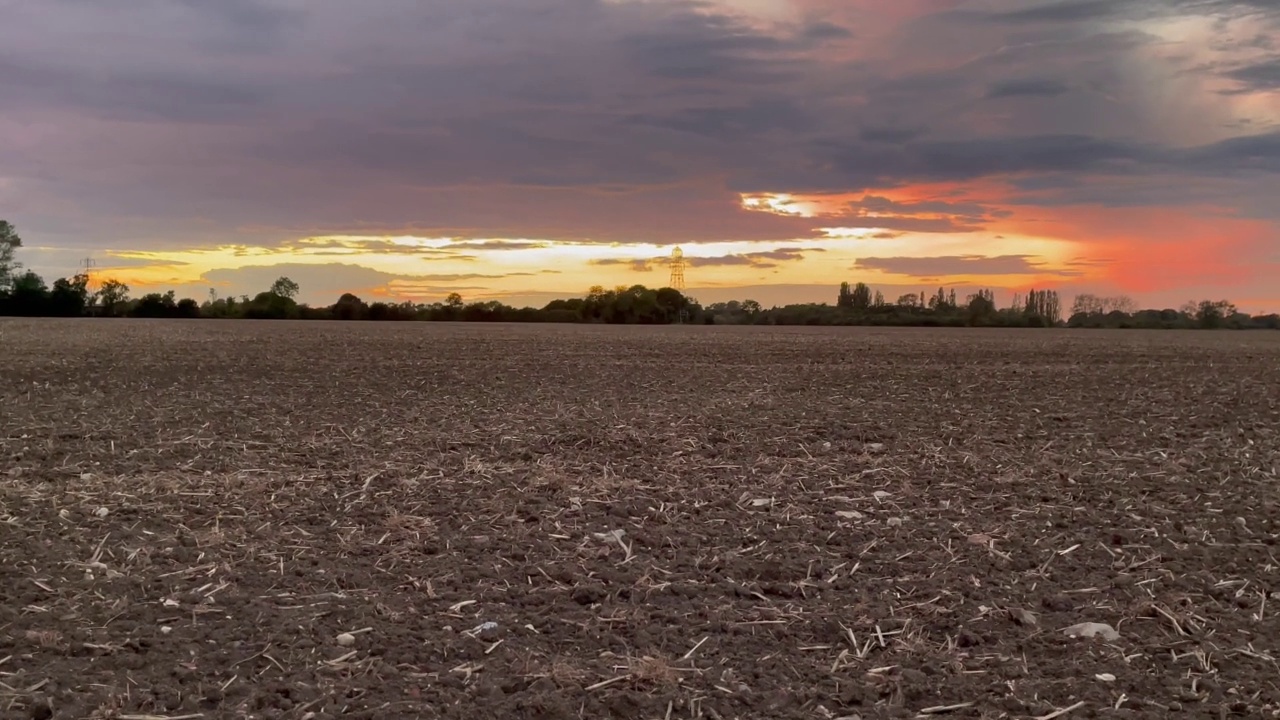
{"x": 527, "y": 149}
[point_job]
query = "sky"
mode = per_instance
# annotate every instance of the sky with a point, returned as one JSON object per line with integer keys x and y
{"x": 523, "y": 150}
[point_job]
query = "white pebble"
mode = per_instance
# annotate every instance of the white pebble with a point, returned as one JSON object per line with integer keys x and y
{"x": 86, "y": 476}
{"x": 1092, "y": 629}
{"x": 102, "y": 512}
{"x": 165, "y": 629}
{"x": 1106, "y": 677}
{"x": 346, "y": 639}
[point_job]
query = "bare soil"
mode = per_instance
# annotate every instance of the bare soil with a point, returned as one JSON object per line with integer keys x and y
{"x": 291, "y": 520}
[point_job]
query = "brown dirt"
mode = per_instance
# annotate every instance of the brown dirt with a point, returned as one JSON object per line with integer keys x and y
{"x": 818, "y": 523}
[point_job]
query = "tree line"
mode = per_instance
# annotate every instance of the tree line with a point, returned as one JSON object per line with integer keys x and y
{"x": 27, "y": 294}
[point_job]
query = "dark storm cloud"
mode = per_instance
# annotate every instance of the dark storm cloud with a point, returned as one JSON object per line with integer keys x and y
{"x": 142, "y": 121}
{"x": 760, "y": 116}
{"x": 823, "y": 30}
{"x": 890, "y": 135}
{"x": 1060, "y": 12}
{"x": 1029, "y": 87}
{"x": 689, "y": 47}
{"x": 140, "y": 95}
{"x": 1258, "y": 76}
{"x": 1234, "y": 155}
{"x": 931, "y": 267}
{"x": 1065, "y": 11}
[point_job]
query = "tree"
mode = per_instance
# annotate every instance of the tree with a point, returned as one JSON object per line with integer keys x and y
{"x": 271, "y": 306}
{"x": 285, "y": 288}
{"x": 1043, "y": 305}
{"x": 156, "y": 305}
{"x": 1090, "y": 304}
{"x": 1210, "y": 315}
{"x": 9, "y": 242}
{"x": 349, "y": 307}
{"x": 27, "y": 295}
{"x": 981, "y": 306}
{"x": 111, "y": 295}
{"x": 857, "y": 297}
{"x": 939, "y": 301}
{"x": 453, "y": 300}
{"x": 188, "y": 308}
{"x": 845, "y": 298}
{"x": 69, "y": 296}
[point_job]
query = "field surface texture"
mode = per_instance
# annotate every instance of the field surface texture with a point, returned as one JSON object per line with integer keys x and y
{"x": 294, "y": 520}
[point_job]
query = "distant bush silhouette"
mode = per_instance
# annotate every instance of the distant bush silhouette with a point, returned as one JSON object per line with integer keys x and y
{"x": 26, "y": 294}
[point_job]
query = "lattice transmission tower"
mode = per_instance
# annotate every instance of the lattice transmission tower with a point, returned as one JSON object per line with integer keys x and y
{"x": 87, "y": 267}
{"x": 677, "y": 264}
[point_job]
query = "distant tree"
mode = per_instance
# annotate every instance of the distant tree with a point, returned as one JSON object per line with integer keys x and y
{"x": 271, "y": 306}
{"x": 111, "y": 295}
{"x": 155, "y": 305}
{"x": 860, "y": 298}
{"x": 939, "y": 301}
{"x": 453, "y": 300}
{"x": 1043, "y": 307}
{"x": 1090, "y": 304}
{"x": 285, "y": 288}
{"x": 188, "y": 308}
{"x": 1268, "y": 322}
{"x": 981, "y": 306}
{"x": 845, "y": 298}
{"x": 9, "y": 242}
{"x": 1210, "y": 315}
{"x": 70, "y": 296}
{"x": 878, "y": 301}
{"x": 349, "y": 307}
{"x": 27, "y": 295}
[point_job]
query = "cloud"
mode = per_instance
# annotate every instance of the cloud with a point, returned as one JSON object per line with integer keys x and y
{"x": 823, "y": 30}
{"x": 558, "y": 95}
{"x": 1065, "y": 11}
{"x": 758, "y": 259}
{"x": 634, "y": 264}
{"x": 1257, "y": 77}
{"x": 148, "y": 125}
{"x": 496, "y": 245}
{"x": 323, "y": 283}
{"x": 384, "y": 246}
{"x": 1028, "y": 87}
{"x": 960, "y": 265}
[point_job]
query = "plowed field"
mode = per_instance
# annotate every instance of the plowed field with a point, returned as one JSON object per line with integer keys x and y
{"x": 291, "y": 520}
